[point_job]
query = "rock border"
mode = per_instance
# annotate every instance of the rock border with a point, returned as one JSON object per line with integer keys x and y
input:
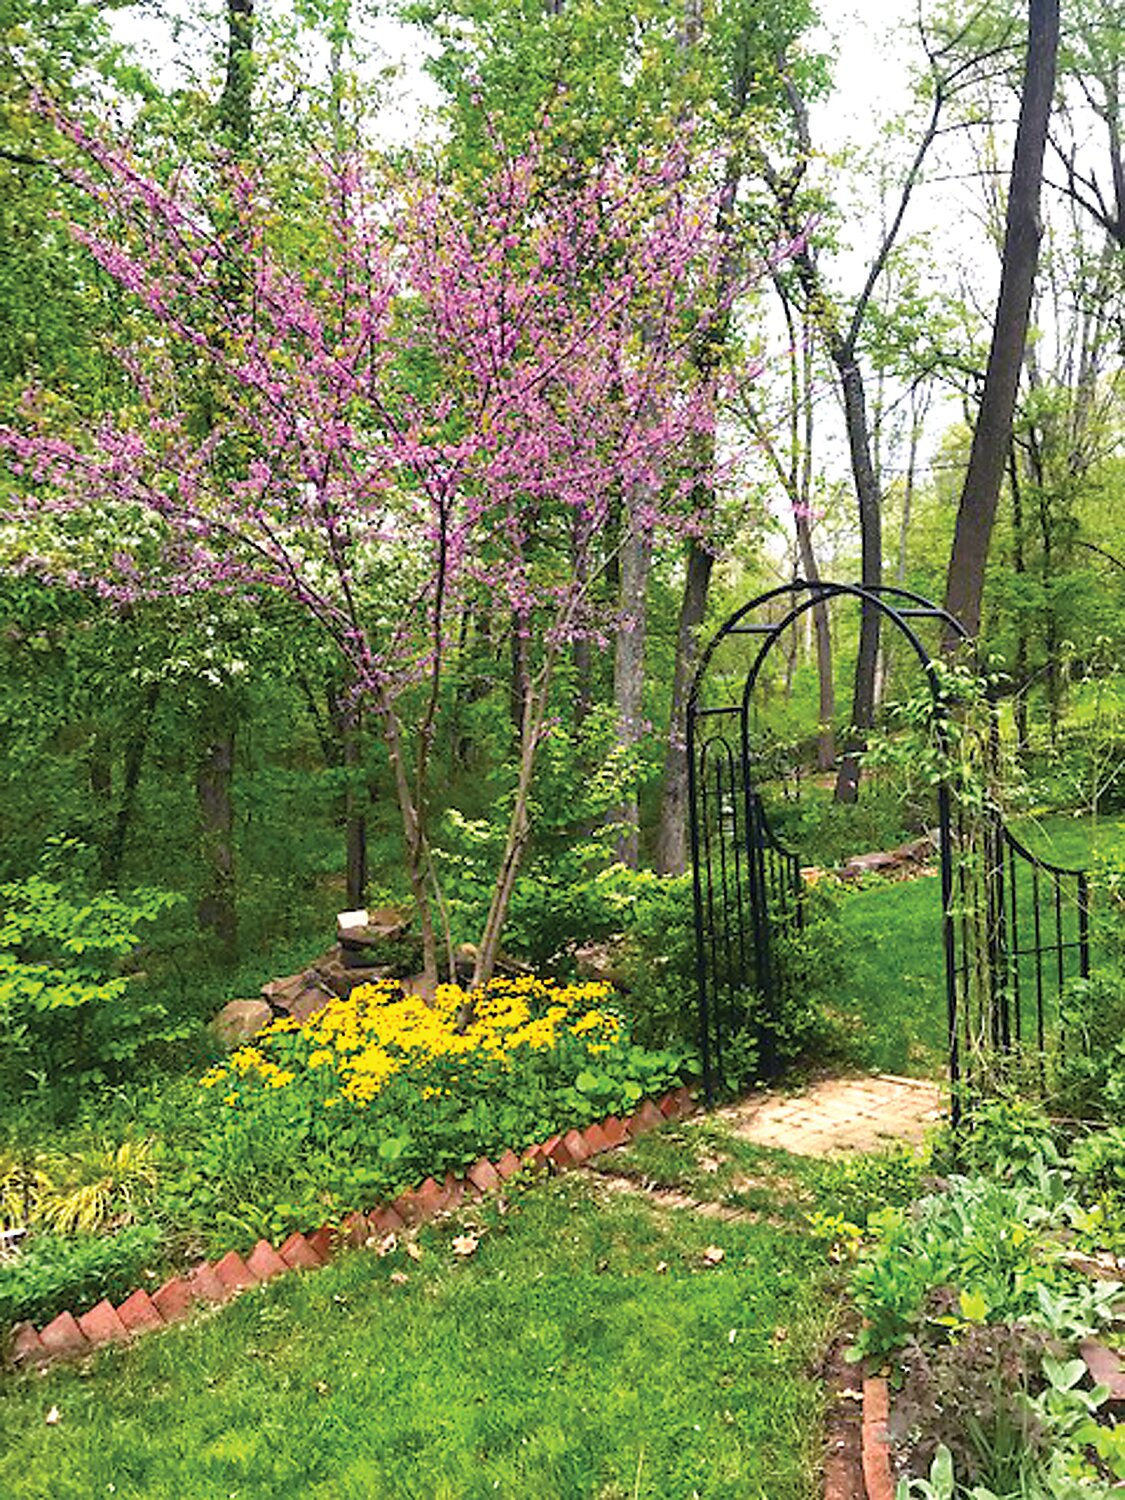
{"x": 212, "y": 1282}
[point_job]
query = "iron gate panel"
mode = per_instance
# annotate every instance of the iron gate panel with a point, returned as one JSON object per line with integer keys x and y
{"x": 1014, "y": 927}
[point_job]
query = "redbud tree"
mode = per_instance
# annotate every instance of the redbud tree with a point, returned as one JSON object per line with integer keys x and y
{"x": 372, "y": 412}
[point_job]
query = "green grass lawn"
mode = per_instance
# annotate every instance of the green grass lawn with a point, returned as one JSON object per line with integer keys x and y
{"x": 892, "y": 1002}
{"x": 586, "y": 1349}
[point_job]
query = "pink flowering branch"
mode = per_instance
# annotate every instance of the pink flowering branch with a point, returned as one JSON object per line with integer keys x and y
{"x": 421, "y": 393}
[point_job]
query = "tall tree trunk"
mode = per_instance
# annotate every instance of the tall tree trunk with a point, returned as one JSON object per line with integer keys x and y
{"x": 981, "y": 491}
{"x": 236, "y": 100}
{"x": 1019, "y": 567}
{"x": 135, "y": 747}
{"x": 672, "y": 842}
{"x": 826, "y": 686}
{"x": 519, "y": 643}
{"x": 582, "y": 655}
{"x": 216, "y": 728}
{"x": 355, "y": 812}
{"x": 871, "y": 568}
{"x": 629, "y": 667}
{"x": 214, "y": 774}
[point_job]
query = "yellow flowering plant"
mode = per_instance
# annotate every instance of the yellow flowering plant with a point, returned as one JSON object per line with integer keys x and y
{"x": 377, "y": 1091}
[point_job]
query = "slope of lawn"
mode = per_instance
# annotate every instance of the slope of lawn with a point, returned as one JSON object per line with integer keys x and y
{"x": 892, "y": 1001}
{"x": 586, "y": 1348}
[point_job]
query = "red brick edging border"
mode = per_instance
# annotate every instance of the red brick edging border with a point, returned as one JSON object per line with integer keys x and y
{"x": 210, "y": 1282}
{"x": 877, "y": 1476}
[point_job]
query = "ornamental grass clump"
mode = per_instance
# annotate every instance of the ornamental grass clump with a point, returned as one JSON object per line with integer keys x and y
{"x": 376, "y": 1092}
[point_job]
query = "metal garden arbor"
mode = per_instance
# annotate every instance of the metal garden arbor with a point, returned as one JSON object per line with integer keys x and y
{"x": 1014, "y": 928}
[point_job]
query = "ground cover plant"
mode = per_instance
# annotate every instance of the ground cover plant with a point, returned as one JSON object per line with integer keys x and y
{"x": 977, "y": 1296}
{"x": 591, "y": 1345}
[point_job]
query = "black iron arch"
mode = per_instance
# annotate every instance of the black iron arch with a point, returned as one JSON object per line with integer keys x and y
{"x": 748, "y": 887}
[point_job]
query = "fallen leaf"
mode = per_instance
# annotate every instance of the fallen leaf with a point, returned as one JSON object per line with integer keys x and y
{"x": 399, "y": 1278}
{"x": 53, "y": 1417}
{"x": 780, "y": 1335}
{"x": 320, "y": 1388}
{"x": 465, "y": 1244}
{"x": 414, "y": 1250}
{"x": 661, "y": 1267}
{"x": 713, "y": 1255}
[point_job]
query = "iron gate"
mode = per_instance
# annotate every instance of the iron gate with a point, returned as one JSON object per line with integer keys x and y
{"x": 1014, "y": 927}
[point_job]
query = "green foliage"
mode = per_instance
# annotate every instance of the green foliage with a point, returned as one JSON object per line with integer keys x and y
{"x": 1089, "y": 1070}
{"x": 980, "y": 1252}
{"x": 858, "y": 1186}
{"x": 79, "y": 1191}
{"x": 56, "y": 1271}
{"x": 71, "y": 1017}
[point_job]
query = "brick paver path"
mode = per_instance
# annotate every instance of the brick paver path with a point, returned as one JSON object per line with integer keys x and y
{"x": 839, "y": 1115}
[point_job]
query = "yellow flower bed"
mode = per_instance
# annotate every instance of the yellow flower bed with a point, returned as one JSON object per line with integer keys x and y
{"x": 376, "y": 1092}
{"x": 361, "y": 1043}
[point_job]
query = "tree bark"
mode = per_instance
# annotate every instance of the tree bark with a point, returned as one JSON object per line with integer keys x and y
{"x": 355, "y": 813}
{"x": 236, "y": 100}
{"x": 825, "y": 742}
{"x": 871, "y": 568}
{"x": 135, "y": 747}
{"x": 629, "y": 669}
{"x": 672, "y": 842}
{"x": 214, "y": 776}
{"x": 981, "y": 492}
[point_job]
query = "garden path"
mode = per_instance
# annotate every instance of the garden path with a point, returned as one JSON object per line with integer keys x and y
{"x": 836, "y": 1116}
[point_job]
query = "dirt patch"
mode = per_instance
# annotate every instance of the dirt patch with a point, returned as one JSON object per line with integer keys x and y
{"x": 616, "y": 1180}
{"x": 843, "y": 1424}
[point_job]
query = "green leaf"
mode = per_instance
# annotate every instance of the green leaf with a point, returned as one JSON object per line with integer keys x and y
{"x": 974, "y": 1307}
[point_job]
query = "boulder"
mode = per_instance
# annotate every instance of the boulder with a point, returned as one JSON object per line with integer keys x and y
{"x": 299, "y": 995}
{"x": 239, "y": 1020}
{"x": 603, "y": 962}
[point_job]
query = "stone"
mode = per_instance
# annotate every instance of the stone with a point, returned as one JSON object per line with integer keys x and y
{"x": 239, "y": 1020}
{"x": 361, "y": 929}
{"x": 603, "y": 963}
{"x": 871, "y": 864}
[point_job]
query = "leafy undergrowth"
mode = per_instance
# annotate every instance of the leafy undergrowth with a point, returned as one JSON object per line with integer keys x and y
{"x": 590, "y": 1345}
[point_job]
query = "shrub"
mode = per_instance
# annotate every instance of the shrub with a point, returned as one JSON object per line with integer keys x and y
{"x": 70, "y": 1016}
{"x": 1089, "y": 1073}
{"x": 55, "y": 1272}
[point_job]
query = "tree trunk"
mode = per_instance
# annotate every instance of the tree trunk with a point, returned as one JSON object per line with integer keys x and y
{"x": 135, "y": 747}
{"x": 672, "y": 840}
{"x": 236, "y": 100}
{"x": 980, "y": 494}
{"x": 871, "y": 568}
{"x": 582, "y": 655}
{"x": 825, "y": 739}
{"x": 1019, "y": 567}
{"x": 214, "y": 776}
{"x": 355, "y": 814}
{"x": 629, "y": 671}
{"x": 518, "y": 672}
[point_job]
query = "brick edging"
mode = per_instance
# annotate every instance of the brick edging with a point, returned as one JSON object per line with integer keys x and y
{"x": 68, "y": 1337}
{"x": 877, "y": 1476}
